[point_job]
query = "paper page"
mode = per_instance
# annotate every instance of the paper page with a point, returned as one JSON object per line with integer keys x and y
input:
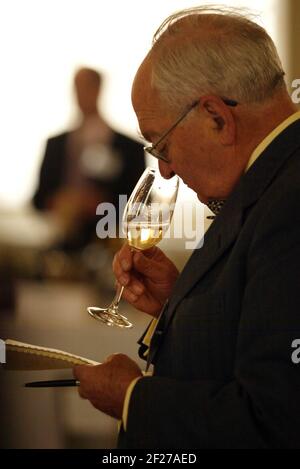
{"x": 22, "y": 356}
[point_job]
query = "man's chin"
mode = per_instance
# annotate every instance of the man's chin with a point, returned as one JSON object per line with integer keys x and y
{"x": 202, "y": 199}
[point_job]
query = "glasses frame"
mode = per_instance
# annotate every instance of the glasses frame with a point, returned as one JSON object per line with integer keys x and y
{"x": 151, "y": 149}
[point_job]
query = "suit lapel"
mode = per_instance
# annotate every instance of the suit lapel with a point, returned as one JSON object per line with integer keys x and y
{"x": 219, "y": 237}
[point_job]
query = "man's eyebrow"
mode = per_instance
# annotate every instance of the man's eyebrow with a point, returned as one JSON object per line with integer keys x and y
{"x": 148, "y": 136}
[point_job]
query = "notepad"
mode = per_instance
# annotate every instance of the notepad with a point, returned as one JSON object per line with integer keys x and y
{"x": 22, "y": 356}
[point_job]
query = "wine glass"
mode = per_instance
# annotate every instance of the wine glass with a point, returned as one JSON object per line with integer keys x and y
{"x": 147, "y": 216}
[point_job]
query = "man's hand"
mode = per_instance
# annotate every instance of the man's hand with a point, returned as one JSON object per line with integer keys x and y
{"x": 105, "y": 385}
{"x": 148, "y": 277}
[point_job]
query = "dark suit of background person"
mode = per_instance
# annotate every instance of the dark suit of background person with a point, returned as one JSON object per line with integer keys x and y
{"x": 223, "y": 343}
{"x": 86, "y": 166}
{"x": 53, "y": 175}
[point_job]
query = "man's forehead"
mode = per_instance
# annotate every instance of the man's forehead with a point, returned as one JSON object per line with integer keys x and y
{"x": 145, "y": 99}
{"x": 142, "y": 90}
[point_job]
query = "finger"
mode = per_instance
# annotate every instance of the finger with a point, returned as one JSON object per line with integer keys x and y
{"x": 82, "y": 393}
{"x": 133, "y": 284}
{"x": 116, "y": 266}
{"x": 129, "y": 296}
{"x": 112, "y": 358}
{"x": 120, "y": 267}
{"x": 122, "y": 277}
{"x": 125, "y": 258}
{"x": 79, "y": 374}
{"x": 152, "y": 252}
{"x": 85, "y": 373}
{"x": 145, "y": 303}
{"x": 146, "y": 265}
{"x": 116, "y": 357}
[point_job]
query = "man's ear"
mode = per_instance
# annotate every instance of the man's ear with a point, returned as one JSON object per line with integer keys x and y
{"x": 222, "y": 118}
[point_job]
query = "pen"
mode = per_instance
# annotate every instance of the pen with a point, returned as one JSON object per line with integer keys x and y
{"x": 53, "y": 383}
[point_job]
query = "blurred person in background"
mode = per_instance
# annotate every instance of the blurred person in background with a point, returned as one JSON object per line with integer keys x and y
{"x": 86, "y": 166}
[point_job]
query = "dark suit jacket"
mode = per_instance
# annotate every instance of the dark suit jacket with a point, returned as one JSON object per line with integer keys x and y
{"x": 223, "y": 375}
{"x": 53, "y": 169}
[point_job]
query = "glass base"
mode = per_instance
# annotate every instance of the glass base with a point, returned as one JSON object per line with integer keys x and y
{"x": 109, "y": 316}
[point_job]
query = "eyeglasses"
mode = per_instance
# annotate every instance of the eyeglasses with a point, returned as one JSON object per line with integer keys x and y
{"x": 152, "y": 149}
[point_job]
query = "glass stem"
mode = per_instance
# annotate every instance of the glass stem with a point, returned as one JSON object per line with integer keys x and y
{"x": 117, "y": 298}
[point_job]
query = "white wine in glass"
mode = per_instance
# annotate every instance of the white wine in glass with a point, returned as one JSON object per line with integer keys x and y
{"x": 144, "y": 236}
{"x": 147, "y": 217}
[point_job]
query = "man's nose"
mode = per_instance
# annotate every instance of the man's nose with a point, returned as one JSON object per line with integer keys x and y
{"x": 165, "y": 169}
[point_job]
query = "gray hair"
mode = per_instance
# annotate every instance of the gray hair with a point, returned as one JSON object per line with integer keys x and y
{"x": 214, "y": 50}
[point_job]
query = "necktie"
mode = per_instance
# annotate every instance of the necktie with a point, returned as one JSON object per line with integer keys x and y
{"x": 215, "y": 206}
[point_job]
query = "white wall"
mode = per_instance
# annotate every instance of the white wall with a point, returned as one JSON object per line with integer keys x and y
{"x": 41, "y": 44}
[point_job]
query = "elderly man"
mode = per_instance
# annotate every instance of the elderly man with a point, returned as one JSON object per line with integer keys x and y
{"x": 211, "y": 97}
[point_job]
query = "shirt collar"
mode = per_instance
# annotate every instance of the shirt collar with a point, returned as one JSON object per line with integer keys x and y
{"x": 270, "y": 137}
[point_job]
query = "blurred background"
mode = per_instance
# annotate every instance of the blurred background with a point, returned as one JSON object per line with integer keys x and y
{"x": 45, "y": 283}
